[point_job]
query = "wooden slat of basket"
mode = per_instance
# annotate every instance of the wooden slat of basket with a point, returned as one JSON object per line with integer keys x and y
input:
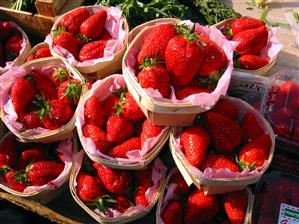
{"x": 49, "y": 7}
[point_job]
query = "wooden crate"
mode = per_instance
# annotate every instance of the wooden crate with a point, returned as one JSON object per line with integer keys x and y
{"x": 49, "y": 7}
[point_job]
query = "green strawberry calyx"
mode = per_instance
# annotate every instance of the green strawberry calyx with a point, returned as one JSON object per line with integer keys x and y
{"x": 60, "y": 74}
{"x": 149, "y": 62}
{"x": 21, "y": 176}
{"x": 243, "y": 165}
{"x": 57, "y": 31}
{"x": 4, "y": 169}
{"x": 44, "y": 105}
{"x": 73, "y": 91}
{"x": 85, "y": 39}
{"x": 119, "y": 107}
{"x": 190, "y": 35}
{"x": 102, "y": 203}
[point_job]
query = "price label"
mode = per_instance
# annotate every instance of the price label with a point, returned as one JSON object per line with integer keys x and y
{"x": 288, "y": 214}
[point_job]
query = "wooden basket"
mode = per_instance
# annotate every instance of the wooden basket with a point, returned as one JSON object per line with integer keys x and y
{"x": 35, "y": 48}
{"x": 222, "y": 185}
{"x": 42, "y": 196}
{"x": 67, "y": 130}
{"x": 101, "y": 69}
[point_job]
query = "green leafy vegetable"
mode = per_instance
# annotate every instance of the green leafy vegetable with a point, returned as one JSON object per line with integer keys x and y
{"x": 23, "y": 5}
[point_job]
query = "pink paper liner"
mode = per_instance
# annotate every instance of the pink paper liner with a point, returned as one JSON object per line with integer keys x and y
{"x": 6, "y": 82}
{"x": 273, "y": 46}
{"x": 102, "y": 89}
{"x": 158, "y": 174}
{"x": 114, "y": 25}
{"x": 205, "y": 100}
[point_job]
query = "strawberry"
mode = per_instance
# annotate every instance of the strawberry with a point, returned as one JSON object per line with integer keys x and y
{"x": 34, "y": 155}
{"x": 155, "y": 43}
{"x": 22, "y": 93}
{"x": 13, "y": 46}
{"x": 181, "y": 185}
{"x": 110, "y": 104}
{"x": 115, "y": 181}
{"x": 235, "y": 205}
{"x": 5, "y": 30}
{"x": 31, "y": 57}
{"x": 94, "y": 25}
{"x": 119, "y": 129}
{"x": 251, "y": 41}
{"x": 216, "y": 162}
{"x": 245, "y": 23}
{"x": 92, "y": 50}
{"x": 73, "y": 20}
{"x": 140, "y": 197}
{"x": 122, "y": 203}
{"x": 93, "y": 112}
{"x": 184, "y": 91}
{"x": 214, "y": 58}
{"x": 144, "y": 177}
{"x": 227, "y": 109}
{"x": 130, "y": 108}
{"x": 97, "y": 135}
{"x": 15, "y": 181}
{"x": 290, "y": 88}
{"x": 251, "y": 62}
{"x": 255, "y": 153}
{"x": 2, "y": 56}
{"x": 8, "y": 153}
{"x": 149, "y": 130}
{"x": 120, "y": 151}
{"x": 44, "y": 85}
{"x": 30, "y": 120}
{"x": 154, "y": 75}
{"x": 195, "y": 142}
{"x": 69, "y": 91}
{"x": 200, "y": 207}
{"x": 67, "y": 41}
{"x": 173, "y": 213}
{"x": 89, "y": 187}
{"x": 59, "y": 75}
{"x": 105, "y": 35}
{"x": 225, "y": 133}
{"x": 250, "y": 128}
{"x": 43, "y": 52}
{"x": 183, "y": 57}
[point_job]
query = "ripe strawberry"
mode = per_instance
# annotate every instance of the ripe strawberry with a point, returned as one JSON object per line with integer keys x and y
{"x": 105, "y": 35}
{"x": 251, "y": 62}
{"x": 214, "y": 58}
{"x": 140, "y": 198}
{"x": 255, "y": 153}
{"x": 235, "y": 205}
{"x": 94, "y": 25}
{"x": 119, "y": 129}
{"x": 43, "y": 52}
{"x": 44, "y": 85}
{"x": 122, "y": 203}
{"x": 250, "y": 128}
{"x": 130, "y": 109}
{"x": 15, "y": 181}
{"x": 69, "y": 91}
{"x": 5, "y": 30}
{"x": 31, "y": 57}
{"x": 154, "y": 75}
{"x": 290, "y": 88}
{"x": 149, "y": 130}
{"x": 219, "y": 161}
{"x": 22, "y": 93}
{"x": 251, "y": 41}
{"x": 92, "y": 50}
{"x": 227, "y": 109}
{"x": 183, "y": 57}
{"x": 34, "y": 155}
{"x": 120, "y": 151}
{"x": 155, "y": 43}
{"x": 144, "y": 177}
{"x": 110, "y": 104}
{"x": 13, "y": 46}
{"x": 200, "y": 207}
{"x": 184, "y": 91}
{"x": 245, "y": 23}
{"x": 181, "y": 185}
{"x": 225, "y": 133}
{"x": 59, "y": 75}
{"x": 195, "y": 142}
{"x": 89, "y": 187}
{"x": 93, "y": 112}
{"x": 67, "y": 41}
{"x": 115, "y": 181}
{"x": 173, "y": 213}
{"x": 8, "y": 153}
{"x": 73, "y": 20}
{"x": 30, "y": 120}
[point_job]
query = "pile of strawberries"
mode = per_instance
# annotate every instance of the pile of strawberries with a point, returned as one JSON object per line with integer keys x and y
{"x": 174, "y": 55}
{"x": 252, "y": 35}
{"x": 28, "y": 164}
{"x": 117, "y": 125}
{"x": 103, "y": 187}
{"x": 41, "y": 52}
{"x": 194, "y": 207}
{"x": 218, "y": 138}
{"x": 43, "y": 101}
{"x": 10, "y": 43}
{"x": 83, "y": 34}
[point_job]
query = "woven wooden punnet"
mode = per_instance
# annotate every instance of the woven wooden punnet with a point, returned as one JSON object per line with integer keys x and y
{"x": 222, "y": 185}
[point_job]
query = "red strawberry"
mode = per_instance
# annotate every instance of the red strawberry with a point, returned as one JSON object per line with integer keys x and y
{"x": 31, "y": 120}
{"x": 290, "y": 88}
{"x": 183, "y": 57}
{"x": 119, "y": 129}
{"x": 225, "y": 133}
{"x": 140, "y": 198}
{"x": 173, "y": 213}
{"x": 73, "y": 20}
{"x": 155, "y": 43}
{"x": 44, "y": 85}
{"x": 31, "y": 57}
{"x": 245, "y": 23}
{"x": 255, "y": 153}
{"x": 250, "y": 128}
{"x": 43, "y": 52}
{"x": 22, "y": 93}
{"x": 181, "y": 185}
{"x": 92, "y": 50}
{"x": 15, "y": 181}
{"x": 251, "y": 62}
{"x": 5, "y": 30}
{"x": 94, "y": 25}
{"x": 8, "y": 153}
{"x": 89, "y": 187}
{"x": 13, "y": 46}
{"x": 122, "y": 203}
{"x": 184, "y": 91}
{"x": 2, "y": 56}
{"x": 130, "y": 108}
{"x": 214, "y": 58}
{"x": 34, "y": 155}
{"x": 251, "y": 41}
{"x": 120, "y": 151}
{"x": 93, "y": 112}
{"x": 110, "y": 104}
{"x": 115, "y": 181}
{"x": 195, "y": 142}
{"x": 69, "y": 91}
{"x": 200, "y": 208}
{"x": 144, "y": 177}
{"x": 67, "y": 41}
{"x": 105, "y": 35}
{"x": 59, "y": 75}
{"x": 227, "y": 109}
{"x": 149, "y": 130}
{"x": 219, "y": 161}
{"x": 154, "y": 75}
{"x": 235, "y": 205}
